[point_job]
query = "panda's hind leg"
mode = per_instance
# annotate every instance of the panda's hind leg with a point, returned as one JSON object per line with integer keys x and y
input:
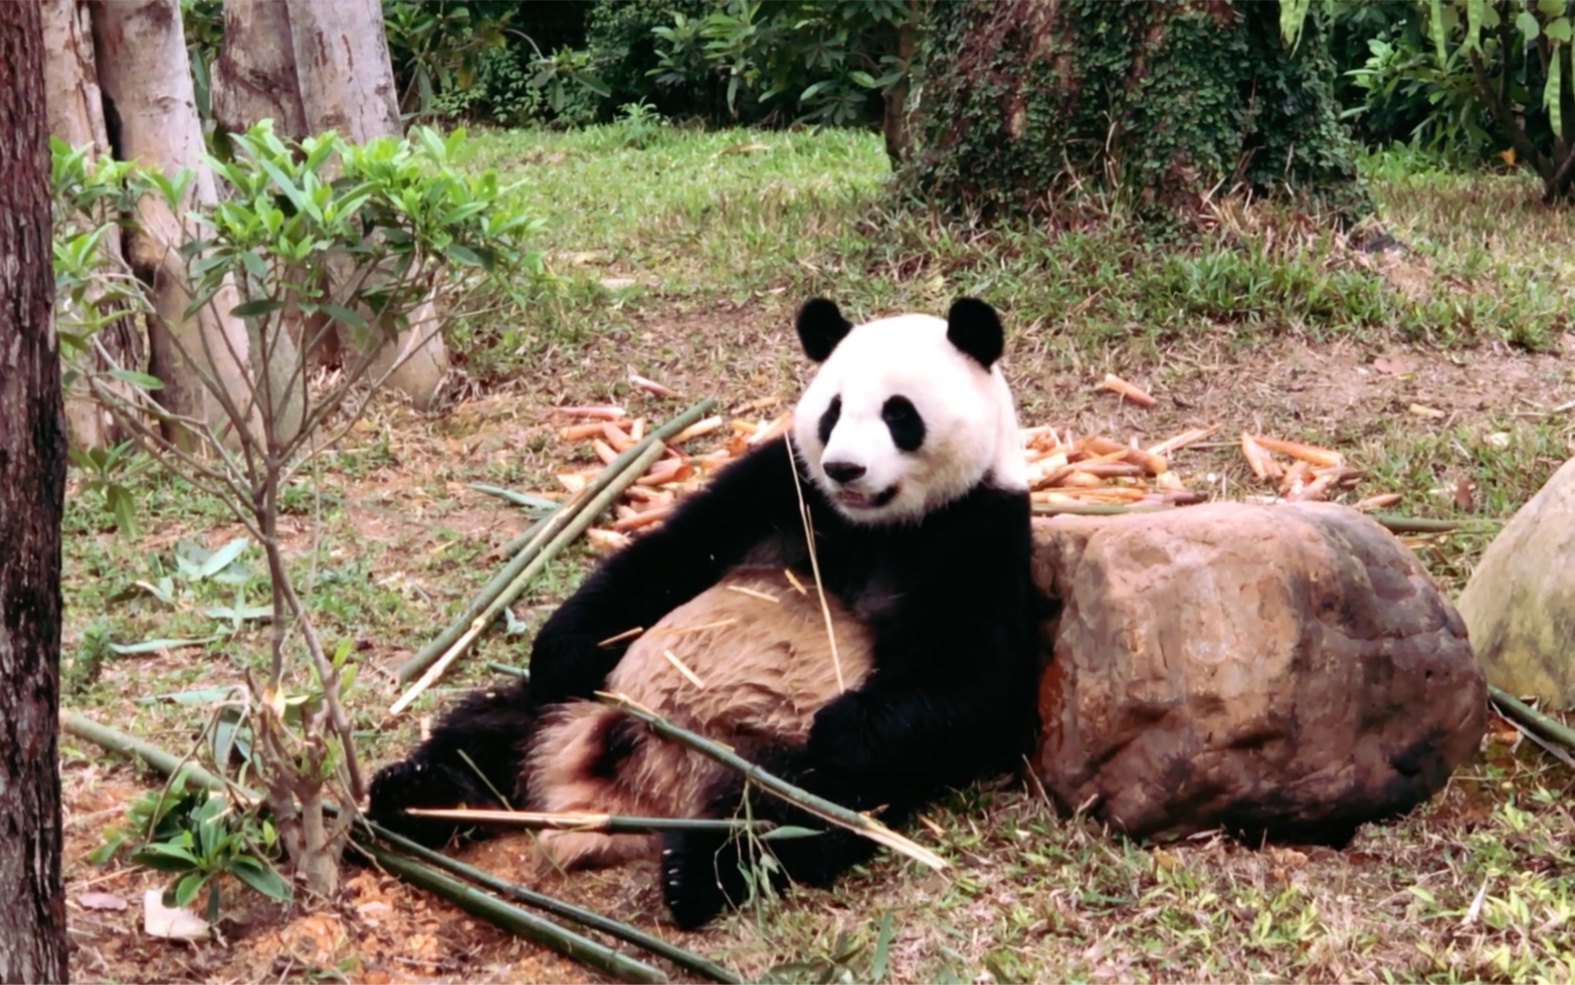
{"x": 582, "y": 761}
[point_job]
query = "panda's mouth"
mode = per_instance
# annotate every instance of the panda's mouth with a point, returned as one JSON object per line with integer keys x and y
{"x": 853, "y": 499}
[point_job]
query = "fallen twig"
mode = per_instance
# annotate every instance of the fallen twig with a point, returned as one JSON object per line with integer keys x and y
{"x": 818, "y": 806}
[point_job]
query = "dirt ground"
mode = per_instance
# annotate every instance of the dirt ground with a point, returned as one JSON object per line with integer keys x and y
{"x": 383, "y": 931}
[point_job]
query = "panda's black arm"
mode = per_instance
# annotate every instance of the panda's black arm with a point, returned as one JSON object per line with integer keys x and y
{"x": 709, "y": 532}
{"x": 952, "y": 697}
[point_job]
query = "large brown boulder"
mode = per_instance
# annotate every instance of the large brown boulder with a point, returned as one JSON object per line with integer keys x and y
{"x": 1278, "y": 671}
{"x": 1520, "y": 602}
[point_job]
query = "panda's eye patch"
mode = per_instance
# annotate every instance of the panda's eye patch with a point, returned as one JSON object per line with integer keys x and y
{"x": 829, "y": 419}
{"x": 903, "y": 421}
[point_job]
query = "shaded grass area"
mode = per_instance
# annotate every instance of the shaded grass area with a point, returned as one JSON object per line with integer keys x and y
{"x": 681, "y": 254}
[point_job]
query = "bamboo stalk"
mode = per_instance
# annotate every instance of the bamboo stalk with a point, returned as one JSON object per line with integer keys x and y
{"x": 114, "y": 740}
{"x": 588, "y": 821}
{"x": 514, "y": 549}
{"x": 1100, "y": 509}
{"x": 515, "y": 920}
{"x": 1395, "y": 524}
{"x": 165, "y": 762}
{"x": 503, "y": 668}
{"x": 1521, "y": 713}
{"x": 556, "y": 536}
{"x": 613, "y": 928}
{"x": 819, "y": 806}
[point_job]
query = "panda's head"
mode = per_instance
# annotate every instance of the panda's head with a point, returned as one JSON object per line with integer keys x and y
{"x": 906, "y": 413}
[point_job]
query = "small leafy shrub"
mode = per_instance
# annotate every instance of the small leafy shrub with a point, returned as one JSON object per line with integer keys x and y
{"x": 309, "y": 241}
{"x": 197, "y": 836}
{"x": 802, "y": 61}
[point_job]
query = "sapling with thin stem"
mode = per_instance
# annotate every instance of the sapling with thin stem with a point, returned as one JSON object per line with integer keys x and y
{"x": 307, "y": 239}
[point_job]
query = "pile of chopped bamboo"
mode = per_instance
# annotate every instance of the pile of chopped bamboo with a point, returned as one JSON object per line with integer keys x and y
{"x": 1066, "y": 472}
{"x": 611, "y": 430}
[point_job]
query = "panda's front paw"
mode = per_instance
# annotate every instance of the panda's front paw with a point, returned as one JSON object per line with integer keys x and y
{"x": 840, "y": 739}
{"x": 416, "y": 782}
{"x": 702, "y": 875}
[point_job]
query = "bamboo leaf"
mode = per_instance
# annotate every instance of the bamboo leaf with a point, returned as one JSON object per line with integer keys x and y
{"x": 221, "y": 558}
{"x": 142, "y": 380}
{"x": 261, "y": 306}
{"x": 154, "y": 646}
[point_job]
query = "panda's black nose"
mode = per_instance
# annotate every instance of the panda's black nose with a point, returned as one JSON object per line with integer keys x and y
{"x": 843, "y": 473}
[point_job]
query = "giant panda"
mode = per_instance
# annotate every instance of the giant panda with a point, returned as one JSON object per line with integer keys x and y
{"x": 905, "y": 460}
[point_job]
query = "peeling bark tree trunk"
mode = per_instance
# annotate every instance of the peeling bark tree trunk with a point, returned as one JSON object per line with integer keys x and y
{"x": 76, "y": 115}
{"x": 1163, "y": 105}
{"x": 254, "y": 77}
{"x": 347, "y": 85}
{"x": 33, "y": 944}
{"x": 152, "y": 117}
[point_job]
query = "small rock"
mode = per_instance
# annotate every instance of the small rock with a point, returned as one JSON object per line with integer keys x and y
{"x": 1286, "y": 671}
{"x": 1520, "y": 602}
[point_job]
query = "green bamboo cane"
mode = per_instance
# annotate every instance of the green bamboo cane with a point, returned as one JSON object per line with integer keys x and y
{"x": 613, "y": 928}
{"x": 1521, "y": 713}
{"x": 561, "y": 536}
{"x": 587, "y": 821}
{"x": 516, "y": 920}
{"x": 515, "y": 549}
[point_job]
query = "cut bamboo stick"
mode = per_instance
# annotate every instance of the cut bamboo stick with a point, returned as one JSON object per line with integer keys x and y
{"x": 1133, "y": 393}
{"x": 1188, "y": 437}
{"x": 586, "y": 918}
{"x": 587, "y": 821}
{"x": 515, "y": 920}
{"x": 601, "y": 412}
{"x": 1295, "y": 449}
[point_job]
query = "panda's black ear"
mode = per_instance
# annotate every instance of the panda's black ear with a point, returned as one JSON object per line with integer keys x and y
{"x": 974, "y": 327}
{"x": 820, "y": 327}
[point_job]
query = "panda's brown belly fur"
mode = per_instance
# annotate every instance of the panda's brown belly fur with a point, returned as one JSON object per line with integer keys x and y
{"x": 760, "y": 652}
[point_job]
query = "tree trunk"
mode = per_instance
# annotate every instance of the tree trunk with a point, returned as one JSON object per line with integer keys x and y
{"x": 76, "y": 115}
{"x": 152, "y": 117}
{"x": 1161, "y": 106}
{"x": 254, "y": 77}
{"x": 894, "y": 119}
{"x": 33, "y": 945}
{"x": 347, "y": 85}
